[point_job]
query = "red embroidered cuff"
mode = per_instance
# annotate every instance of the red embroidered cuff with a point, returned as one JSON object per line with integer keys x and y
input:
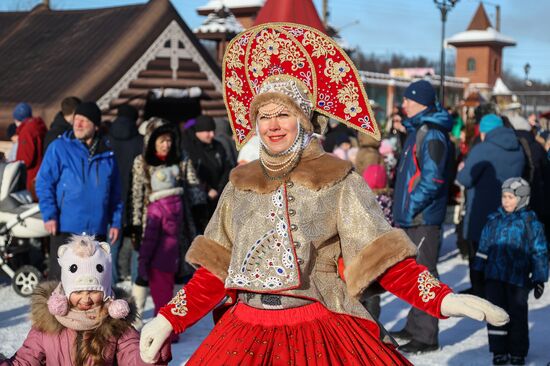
{"x": 200, "y": 295}
{"x": 414, "y": 284}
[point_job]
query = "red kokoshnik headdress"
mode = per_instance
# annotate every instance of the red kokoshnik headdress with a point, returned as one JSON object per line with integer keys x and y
{"x": 300, "y": 62}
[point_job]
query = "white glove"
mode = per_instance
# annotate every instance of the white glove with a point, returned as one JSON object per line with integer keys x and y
{"x": 152, "y": 338}
{"x": 473, "y": 307}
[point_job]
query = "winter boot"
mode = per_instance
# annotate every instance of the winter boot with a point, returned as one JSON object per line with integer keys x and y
{"x": 500, "y": 359}
{"x": 517, "y": 360}
{"x": 139, "y": 293}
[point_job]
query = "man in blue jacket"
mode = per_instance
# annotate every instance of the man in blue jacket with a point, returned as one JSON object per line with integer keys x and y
{"x": 78, "y": 185}
{"x": 420, "y": 196}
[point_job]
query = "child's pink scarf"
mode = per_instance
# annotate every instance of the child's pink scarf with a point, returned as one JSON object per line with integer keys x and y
{"x": 80, "y": 319}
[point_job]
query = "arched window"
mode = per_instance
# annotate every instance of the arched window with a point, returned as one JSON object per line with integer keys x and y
{"x": 471, "y": 66}
{"x": 496, "y": 66}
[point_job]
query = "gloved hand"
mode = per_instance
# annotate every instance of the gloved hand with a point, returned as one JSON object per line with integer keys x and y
{"x": 153, "y": 336}
{"x": 539, "y": 289}
{"x": 473, "y": 307}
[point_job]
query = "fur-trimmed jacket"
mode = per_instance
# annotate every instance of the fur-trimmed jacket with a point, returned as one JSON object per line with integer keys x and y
{"x": 50, "y": 343}
{"x": 287, "y": 238}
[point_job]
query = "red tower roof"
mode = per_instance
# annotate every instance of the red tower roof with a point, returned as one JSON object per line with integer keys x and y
{"x": 301, "y": 12}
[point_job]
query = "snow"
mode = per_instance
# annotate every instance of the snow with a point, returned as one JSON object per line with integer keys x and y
{"x": 462, "y": 341}
{"x": 231, "y": 4}
{"x": 220, "y": 21}
{"x": 480, "y": 36}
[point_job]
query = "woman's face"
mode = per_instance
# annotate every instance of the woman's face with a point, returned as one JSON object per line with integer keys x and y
{"x": 277, "y": 132}
{"x": 86, "y": 300}
{"x": 163, "y": 144}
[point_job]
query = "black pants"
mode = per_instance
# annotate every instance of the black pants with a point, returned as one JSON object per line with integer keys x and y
{"x": 423, "y": 327}
{"x": 476, "y": 278}
{"x": 512, "y": 338}
{"x": 54, "y": 273}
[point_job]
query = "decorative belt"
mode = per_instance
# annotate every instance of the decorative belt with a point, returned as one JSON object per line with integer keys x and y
{"x": 271, "y": 301}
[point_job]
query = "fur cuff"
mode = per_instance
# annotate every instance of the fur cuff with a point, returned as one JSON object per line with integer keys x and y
{"x": 374, "y": 259}
{"x": 210, "y": 255}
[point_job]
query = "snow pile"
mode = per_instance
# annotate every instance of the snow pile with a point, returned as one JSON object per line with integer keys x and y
{"x": 462, "y": 341}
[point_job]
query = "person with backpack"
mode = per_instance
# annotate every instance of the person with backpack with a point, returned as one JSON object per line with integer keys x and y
{"x": 420, "y": 196}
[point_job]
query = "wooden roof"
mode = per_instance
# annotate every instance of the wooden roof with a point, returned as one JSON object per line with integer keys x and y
{"x": 99, "y": 54}
{"x": 480, "y": 21}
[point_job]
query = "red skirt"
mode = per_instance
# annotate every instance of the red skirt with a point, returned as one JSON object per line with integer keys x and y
{"x": 308, "y": 335}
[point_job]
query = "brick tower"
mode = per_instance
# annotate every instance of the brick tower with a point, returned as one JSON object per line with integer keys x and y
{"x": 479, "y": 51}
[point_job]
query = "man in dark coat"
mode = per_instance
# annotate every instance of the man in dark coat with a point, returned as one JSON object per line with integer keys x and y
{"x": 211, "y": 164}
{"x": 496, "y": 158}
{"x": 126, "y": 143}
{"x": 63, "y": 120}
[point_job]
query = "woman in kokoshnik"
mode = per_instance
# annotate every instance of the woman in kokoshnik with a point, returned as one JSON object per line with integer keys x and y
{"x": 285, "y": 221}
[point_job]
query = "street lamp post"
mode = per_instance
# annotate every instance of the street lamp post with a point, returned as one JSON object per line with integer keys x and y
{"x": 527, "y": 68}
{"x": 444, "y": 7}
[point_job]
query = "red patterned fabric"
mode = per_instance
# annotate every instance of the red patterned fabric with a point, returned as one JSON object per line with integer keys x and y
{"x": 276, "y": 52}
{"x": 413, "y": 283}
{"x": 308, "y": 335}
{"x": 200, "y": 295}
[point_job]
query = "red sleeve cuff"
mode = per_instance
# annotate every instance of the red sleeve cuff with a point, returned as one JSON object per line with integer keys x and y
{"x": 414, "y": 284}
{"x": 196, "y": 299}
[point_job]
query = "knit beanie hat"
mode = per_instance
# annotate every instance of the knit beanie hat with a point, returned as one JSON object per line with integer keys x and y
{"x": 519, "y": 188}
{"x": 165, "y": 182}
{"x": 85, "y": 265}
{"x": 204, "y": 123}
{"x": 375, "y": 176}
{"x": 489, "y": 122}
{"x": 22, "y": 111}
{"x": 128, "y": 111}
{"x": 89, "y": 110}
{"x": 422, "y": 92}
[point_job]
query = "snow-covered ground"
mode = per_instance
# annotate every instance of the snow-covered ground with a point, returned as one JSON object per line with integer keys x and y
{"x": 462, "y": 341}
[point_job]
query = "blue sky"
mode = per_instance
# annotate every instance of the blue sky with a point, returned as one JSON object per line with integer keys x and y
{"x": 410, "y": 27}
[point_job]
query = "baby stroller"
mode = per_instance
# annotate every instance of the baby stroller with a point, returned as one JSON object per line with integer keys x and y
{"x": 21, "y": 228}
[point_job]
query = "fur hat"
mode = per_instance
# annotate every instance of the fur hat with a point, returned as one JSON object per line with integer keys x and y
{"x": 422, "y": 92}
{"x": 519, "y": 188}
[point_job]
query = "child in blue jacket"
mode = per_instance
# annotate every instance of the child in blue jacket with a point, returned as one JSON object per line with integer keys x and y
{"x": 514, "y": 258}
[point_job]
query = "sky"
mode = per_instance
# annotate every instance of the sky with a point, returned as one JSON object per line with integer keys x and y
{"x": 409, "y": 27}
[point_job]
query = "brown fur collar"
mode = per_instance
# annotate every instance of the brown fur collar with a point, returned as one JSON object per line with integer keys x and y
{"x": 316, "y": 170}
{"x": 44, "y": 321}
{"x": 373, "y": 260}
{"x": 210, "y": 255}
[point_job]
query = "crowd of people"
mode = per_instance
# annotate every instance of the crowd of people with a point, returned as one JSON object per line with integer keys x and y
{"x": 161, "y": 193}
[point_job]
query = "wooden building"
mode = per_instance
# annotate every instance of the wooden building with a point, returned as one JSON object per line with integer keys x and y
{"x": 110, "y": 55}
